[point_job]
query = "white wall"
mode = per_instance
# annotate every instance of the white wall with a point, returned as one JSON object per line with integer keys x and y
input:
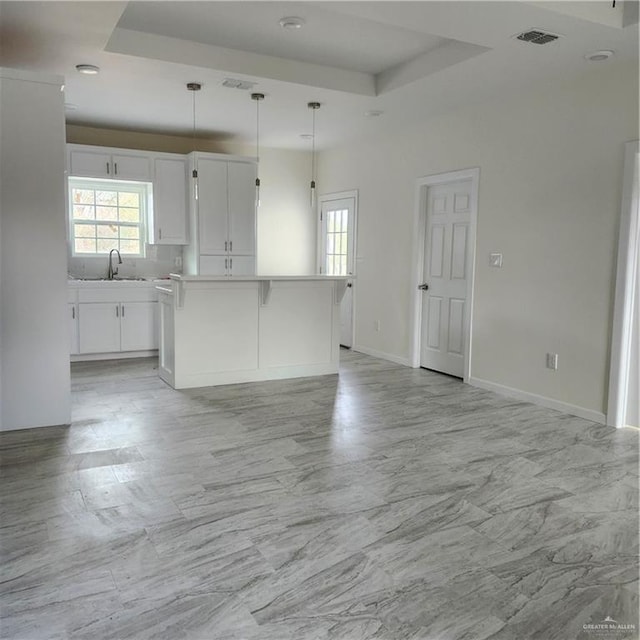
{"x": 286, "y": 224}
{"x": 33, "y": 286}
{"x": 550, "y": 173}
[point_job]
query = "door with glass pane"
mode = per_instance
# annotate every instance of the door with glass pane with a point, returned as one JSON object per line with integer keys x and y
{"x": 337, "y": 233}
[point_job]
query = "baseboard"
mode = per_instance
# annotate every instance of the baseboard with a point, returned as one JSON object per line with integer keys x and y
{"x": 115, "y": 355}
{"x": 382, "y": 355}
{"x": 542, "y": 401}
{"x": 216, "y": 378}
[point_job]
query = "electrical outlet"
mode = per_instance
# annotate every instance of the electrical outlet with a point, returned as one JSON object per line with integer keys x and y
{"x": 552, "y": 361}
{"x": 376, "y": 325}
{"x": 177, "y": 262}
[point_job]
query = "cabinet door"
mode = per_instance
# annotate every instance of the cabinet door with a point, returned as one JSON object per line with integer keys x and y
{"x": 99, "y": 327}
{"x": 241, "y": 184}
{"x": 213, "y": 265}
{"x": 91, "y": 164}
{"x": 73, "y": 329}
{"x": 170, "y": 201}
{"x": 131, "y": 167}
{"x": 242, "y": 265}
{"x": 139, "y": 326}
{"x": 166, "y": 360}
{"x": 212, "y": 206}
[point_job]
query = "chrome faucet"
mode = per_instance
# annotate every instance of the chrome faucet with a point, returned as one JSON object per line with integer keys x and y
{"x": 111, "y": 271}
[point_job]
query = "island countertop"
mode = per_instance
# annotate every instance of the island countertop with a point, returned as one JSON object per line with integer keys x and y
{"x": 185, "y": 278}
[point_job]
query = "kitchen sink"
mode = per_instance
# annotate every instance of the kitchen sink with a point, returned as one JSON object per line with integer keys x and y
{"x": 116, "y": 279}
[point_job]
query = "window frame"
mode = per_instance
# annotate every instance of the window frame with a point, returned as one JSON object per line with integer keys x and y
{"x": 106, "y": 184}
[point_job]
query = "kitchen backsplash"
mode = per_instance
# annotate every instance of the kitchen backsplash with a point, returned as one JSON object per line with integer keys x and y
{"x": 160, "y": 260}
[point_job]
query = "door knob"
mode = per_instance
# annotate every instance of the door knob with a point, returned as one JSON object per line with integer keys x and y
{"x": 423, "y": 287}
{"x": 349, "y": 285}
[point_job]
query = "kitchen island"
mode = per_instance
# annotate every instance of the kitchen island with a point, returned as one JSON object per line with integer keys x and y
{"x": 218, "y": 330}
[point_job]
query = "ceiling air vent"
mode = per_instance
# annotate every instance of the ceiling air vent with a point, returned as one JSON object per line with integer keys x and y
{"x": 537, "y": 36}
{"x": 233, "y": 83}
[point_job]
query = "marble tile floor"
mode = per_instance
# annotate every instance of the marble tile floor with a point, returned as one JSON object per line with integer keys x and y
{"x": 384, "y": 503}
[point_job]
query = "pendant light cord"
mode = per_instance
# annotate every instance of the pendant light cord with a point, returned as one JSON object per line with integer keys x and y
{"x": 193, "y": 128}
{"x": 193, "y": 87}
{"x": 313, "y": 146}
{"x": 258, "y": 131}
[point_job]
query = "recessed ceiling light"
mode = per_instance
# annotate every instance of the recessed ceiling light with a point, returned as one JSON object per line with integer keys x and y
{"x": 88, "y": 69}
{"x": 306, "y": 136}
{"x": 292, "y": 22}
{"x": 598, "y": 56}
{"x": 373, "y": 113}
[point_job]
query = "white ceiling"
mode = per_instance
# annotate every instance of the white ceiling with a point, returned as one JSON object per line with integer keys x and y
{"x": 409, "y": 59}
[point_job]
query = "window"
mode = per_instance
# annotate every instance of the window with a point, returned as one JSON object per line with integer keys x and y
{"x": 106, "y": 215}
{"x": 337, "y": 238}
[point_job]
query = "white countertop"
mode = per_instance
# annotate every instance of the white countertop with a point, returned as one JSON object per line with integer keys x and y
{"x": 146, "y": 282}
{"x": 182, "y": 278}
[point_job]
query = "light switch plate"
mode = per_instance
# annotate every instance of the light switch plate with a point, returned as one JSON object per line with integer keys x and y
{"x": 495, "y": 260}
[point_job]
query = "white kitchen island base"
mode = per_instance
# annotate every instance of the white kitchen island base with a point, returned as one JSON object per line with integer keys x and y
{"x": 217, "y": 330}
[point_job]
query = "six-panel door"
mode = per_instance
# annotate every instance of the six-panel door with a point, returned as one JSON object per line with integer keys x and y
{"x": 446, "y": 272}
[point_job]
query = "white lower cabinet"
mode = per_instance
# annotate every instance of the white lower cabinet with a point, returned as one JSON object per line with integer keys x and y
{"x": 106, "y": 327}
{"x": 139, "y": 326}
{"x": 114, "y": 319}
{"x": 73, "y": 328}
{"x": 99, "y": 325}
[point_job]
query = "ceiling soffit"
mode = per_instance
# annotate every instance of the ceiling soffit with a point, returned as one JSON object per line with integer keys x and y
{"x": 333, "y": 51}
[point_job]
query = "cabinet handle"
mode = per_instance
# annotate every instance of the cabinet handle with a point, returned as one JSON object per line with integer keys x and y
{"x": 115, "y": 166}
{"x": 117, "y": 311}
{"x": 230, "y": 263}
{"x": 73, "y": 312}
{"x": 123, "y": 311}
{"x": 225, "y": 245}
{"x": 159, "y": 234}
{"x": 226, "y": 263}
{"x": 107, "y": 168}
{"x": 230, "y": 245}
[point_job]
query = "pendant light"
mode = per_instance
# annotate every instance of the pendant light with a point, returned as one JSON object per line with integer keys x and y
{"x": 257, "y": 97}
{"x": 194, "y": 87}
{"x": 314, "y": 106}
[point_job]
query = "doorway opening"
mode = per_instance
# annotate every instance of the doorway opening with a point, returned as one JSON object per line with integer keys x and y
{"x": 624, "y": 377}
{"x": 444, "y": 258}
{"x": 337, "y": 229}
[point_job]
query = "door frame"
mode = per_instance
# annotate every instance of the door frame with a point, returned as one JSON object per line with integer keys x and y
{"x": 327, "y": 197}
{"x": 626, "y": 288}
{"x": 419, "y": 230}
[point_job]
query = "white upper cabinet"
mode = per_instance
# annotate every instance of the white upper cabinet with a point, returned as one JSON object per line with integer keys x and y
{"x": 103, "y": 162}
{"x": 241, "y": 180}
{"x": 212, "y": 206}
{"x": 168, "y": 218}
{"x": 224, "y": 216}
{"x": 170, "y": 200}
